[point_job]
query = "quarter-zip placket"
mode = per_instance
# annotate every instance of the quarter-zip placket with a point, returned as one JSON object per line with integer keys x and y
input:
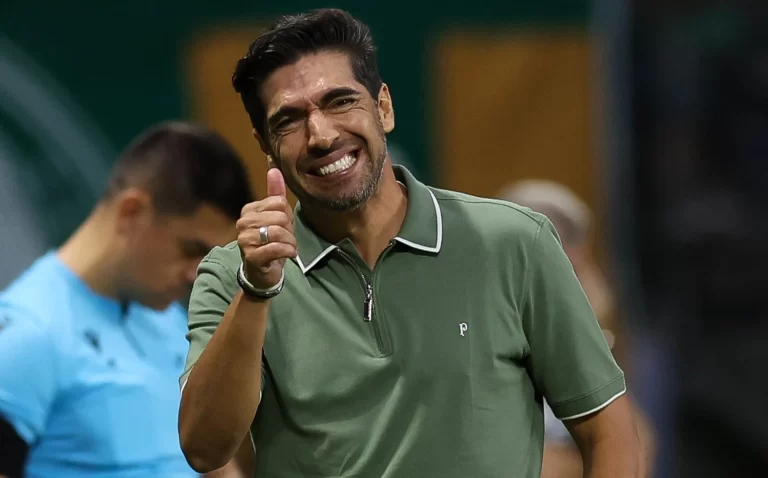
{"x": 369, "y": 304}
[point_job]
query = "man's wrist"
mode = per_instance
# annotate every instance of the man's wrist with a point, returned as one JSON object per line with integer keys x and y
{"x": 253, "y": 292}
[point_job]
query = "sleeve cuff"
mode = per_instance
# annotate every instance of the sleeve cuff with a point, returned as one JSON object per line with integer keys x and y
{"x": 184, "y": 377}
{"x": 591, "y": 402}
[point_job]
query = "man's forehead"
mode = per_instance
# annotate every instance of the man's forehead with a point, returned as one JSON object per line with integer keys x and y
{"x": 307, "y": 79}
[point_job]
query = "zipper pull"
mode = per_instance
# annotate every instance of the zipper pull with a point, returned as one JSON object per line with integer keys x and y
{"x": 368, "y": 304}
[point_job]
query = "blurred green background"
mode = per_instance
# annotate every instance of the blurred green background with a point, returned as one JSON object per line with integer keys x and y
{"x": 116, "y": 67}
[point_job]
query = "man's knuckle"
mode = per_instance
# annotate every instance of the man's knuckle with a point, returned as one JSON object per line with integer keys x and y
{"x": 283, "y": 218}
{"x": 282, "y": 202}
{"x": 248, "y": 208}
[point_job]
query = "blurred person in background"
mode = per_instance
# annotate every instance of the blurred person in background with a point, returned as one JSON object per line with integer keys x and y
{"x": 92, "y": 334}
{"x": 386, "y": 329}
{"x": 572, "y": 219}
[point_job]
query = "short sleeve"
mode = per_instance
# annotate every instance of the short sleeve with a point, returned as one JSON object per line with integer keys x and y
{"x": 28, "y": 377}
{"x": 569, "y": 359}
{"x": 212, "y": 293}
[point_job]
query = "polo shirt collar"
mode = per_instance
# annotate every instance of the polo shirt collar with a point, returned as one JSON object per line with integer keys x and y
{"x": 422, "y": 228}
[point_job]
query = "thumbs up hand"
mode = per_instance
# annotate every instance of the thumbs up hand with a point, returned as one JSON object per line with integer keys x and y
{"x": 265, "y": 234}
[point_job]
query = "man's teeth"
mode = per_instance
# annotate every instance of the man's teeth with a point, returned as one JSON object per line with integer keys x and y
{"x": 344, "y": 163}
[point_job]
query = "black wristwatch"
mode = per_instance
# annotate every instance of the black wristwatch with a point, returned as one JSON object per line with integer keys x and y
{"x": 256, "y": 293}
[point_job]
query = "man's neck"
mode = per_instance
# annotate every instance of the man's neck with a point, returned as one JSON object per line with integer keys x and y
{"x": 369, "y": 227}
{"x": 90, "y": 255}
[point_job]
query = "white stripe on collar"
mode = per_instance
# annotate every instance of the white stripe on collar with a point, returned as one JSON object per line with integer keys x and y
{"x": 312, "y": 264}
{"x": 421, "y": 247}
{"x": 439, "y": 242}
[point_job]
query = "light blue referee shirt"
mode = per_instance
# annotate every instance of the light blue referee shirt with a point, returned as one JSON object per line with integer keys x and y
{"x": 89, "y": 384}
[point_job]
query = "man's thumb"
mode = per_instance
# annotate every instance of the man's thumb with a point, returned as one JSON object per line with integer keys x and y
{"x": 275, "y": 183}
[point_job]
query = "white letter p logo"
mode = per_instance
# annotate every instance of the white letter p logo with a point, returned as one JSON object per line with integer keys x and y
{"x": 463, "y": 328}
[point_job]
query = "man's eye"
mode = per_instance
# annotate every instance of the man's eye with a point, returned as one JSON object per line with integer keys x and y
{"x": 285, "y": 124}
{"x": 342, "y": 102}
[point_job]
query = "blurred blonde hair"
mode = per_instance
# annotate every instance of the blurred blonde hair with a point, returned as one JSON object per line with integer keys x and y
{"x": 568, "y": 212}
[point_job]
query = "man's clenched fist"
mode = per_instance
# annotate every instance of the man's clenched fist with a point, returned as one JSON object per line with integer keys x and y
{"x": 265, "y": 234}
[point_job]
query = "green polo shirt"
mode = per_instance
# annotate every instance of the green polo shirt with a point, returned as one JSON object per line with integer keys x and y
{"x": 434, "y": 363}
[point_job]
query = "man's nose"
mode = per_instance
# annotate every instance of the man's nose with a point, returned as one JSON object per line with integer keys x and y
{"x": 322, "y": 131}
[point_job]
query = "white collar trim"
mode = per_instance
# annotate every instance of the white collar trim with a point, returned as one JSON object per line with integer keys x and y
{"x": 317, "y": 259}
{"x": 421, "y": 247}
{"x": 439, "y": 242}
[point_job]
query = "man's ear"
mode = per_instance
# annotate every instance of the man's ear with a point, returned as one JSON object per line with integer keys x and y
{"x": 263, "y": 144}
{"x": 133, "y": 210}
{"x": 386, "y": 110}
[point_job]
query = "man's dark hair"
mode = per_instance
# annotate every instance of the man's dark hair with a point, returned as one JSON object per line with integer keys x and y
{"x": 183, "y": 166}
{"x": 294, "y": 36}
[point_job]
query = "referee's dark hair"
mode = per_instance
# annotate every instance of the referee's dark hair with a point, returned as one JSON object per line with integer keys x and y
{"x": 183, "y": 166}
{"x": 294, "y": 36}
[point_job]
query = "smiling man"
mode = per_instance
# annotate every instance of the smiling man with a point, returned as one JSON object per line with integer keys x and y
{"x": 384, "y": 328}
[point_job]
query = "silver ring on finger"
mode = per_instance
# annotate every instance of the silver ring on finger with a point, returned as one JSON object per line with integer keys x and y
{"x": 264, "y": 235}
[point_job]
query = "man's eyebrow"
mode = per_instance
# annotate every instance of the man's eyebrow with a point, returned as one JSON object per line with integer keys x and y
{"x": 283, "y": 112}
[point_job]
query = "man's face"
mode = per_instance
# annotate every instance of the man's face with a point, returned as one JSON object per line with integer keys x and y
{"x": 164, "y": 252}
{"x": 325, "y": 132}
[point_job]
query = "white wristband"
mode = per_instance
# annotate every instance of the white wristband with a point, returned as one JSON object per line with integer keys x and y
{"x": 241, "y": 273}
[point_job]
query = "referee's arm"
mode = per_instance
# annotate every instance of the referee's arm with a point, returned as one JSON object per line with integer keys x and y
{"x": 28, "y": 385}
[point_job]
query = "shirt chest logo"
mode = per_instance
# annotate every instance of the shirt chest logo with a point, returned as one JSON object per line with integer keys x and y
{"x": 463, "y": 328}
{"x": 92, "y": 338}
